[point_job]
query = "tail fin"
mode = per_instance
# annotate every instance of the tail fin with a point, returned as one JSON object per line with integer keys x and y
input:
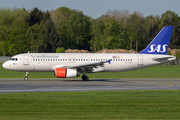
{"x": 159, "y": 45}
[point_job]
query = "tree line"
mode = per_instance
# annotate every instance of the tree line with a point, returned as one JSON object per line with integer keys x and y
{"x": 46, "y": 31}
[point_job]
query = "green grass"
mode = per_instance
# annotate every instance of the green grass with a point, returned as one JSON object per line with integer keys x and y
{"x": 91, "y": 105}
{"x": 151, "y": 72}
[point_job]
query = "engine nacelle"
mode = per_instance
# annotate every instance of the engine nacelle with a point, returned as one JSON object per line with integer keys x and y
{"x": 65, "y": 72}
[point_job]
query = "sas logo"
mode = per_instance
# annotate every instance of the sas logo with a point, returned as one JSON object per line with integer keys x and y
{"x": 155, "y": 48}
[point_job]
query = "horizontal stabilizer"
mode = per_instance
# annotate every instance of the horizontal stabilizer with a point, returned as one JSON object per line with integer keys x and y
{"x": 165, "y": 58}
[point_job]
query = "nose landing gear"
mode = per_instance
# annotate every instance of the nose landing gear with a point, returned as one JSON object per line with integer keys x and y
{"x": 26, "y": 77}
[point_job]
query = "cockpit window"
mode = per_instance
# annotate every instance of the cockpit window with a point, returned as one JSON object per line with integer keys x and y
{"x": 14, "y": 59}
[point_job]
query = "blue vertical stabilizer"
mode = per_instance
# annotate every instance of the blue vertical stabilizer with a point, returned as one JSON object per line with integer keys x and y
{"x": 159, "y": 45}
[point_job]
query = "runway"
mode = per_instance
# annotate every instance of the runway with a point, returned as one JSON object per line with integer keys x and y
{"x": 46, "y": 85}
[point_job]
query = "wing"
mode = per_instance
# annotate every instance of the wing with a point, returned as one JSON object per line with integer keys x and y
{"x": 88, "y": 67}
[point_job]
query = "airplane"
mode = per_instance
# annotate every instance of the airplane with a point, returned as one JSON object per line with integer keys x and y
{"x": 65, "y": 65}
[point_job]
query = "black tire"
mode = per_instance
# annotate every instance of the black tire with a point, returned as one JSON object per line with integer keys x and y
{"x": 85, "y": 78}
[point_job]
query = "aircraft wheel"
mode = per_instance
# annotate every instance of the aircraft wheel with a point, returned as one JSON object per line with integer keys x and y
{"x": 85, "y": 78}
{"x": 26, "y": 78}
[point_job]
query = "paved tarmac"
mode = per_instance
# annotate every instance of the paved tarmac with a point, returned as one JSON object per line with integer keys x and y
{"x": 43, "y": 85}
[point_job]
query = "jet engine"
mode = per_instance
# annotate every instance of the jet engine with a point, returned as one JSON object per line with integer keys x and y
{"x": 65, "y": 72}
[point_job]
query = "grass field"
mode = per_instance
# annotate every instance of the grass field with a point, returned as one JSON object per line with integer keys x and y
{"x": 151, "y": 72}
{"x": 91, "y": 105}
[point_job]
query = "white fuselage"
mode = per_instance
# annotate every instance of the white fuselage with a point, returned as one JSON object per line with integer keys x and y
{"x": 47, "y": 62}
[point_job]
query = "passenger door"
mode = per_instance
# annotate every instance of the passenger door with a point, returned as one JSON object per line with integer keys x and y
{"x": 140, "y": 60}
{"x": 26, "y": 60}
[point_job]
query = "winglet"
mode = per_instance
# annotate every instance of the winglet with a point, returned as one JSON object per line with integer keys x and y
{"x": 160, "y": 43}
{"x": 109, "y": 61}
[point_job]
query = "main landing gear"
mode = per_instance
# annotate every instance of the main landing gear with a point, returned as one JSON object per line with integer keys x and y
{"x": 26, "y": 77}
{"x": 85, "y": 78}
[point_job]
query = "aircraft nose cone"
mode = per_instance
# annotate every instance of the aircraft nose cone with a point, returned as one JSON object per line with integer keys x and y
{"x": 5, "y": 65}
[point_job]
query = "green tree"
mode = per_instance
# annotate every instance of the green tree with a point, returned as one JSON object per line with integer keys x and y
{"x": 4, "y": 48}
{"x": 60, "y": 18}
{"x": 12, "y": 50}
{"x": 78, "y": 31}
{"x": 18, "y": 37}
{"x": 60, "y": 50}
{"x": 52, "y": 38}
{"x": 170, "y": 18}
{"x": 36, "y": 16}
{"x": 37, "y": 36}
{"x": 97, "y": 32}
{"x": 136, "y": 30}
{"x": 166, "y": 17}
{"x": 13, "y": 26}
{"x": 1, "y": 47}
{"x": 151, "y": 28}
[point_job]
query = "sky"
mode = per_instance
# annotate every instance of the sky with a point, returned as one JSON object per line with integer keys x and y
{"x": 96, "y": 8}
